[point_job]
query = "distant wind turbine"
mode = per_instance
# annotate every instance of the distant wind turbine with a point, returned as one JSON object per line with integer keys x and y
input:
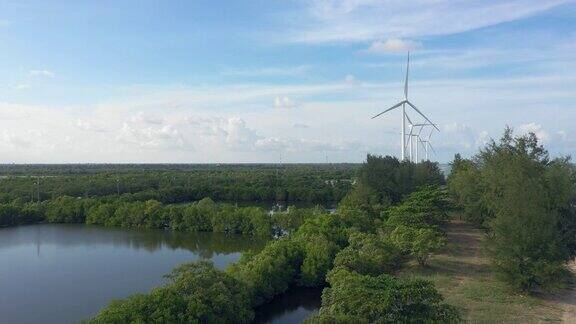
{"x": 426, "y": 143}
{"x": 416, "y": 136}
{"x": 403, "y": 104}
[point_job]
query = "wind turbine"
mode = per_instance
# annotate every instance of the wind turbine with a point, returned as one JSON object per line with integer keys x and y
{"x": 426, "y": 143}
{"x": 418, "y": 139}
{"x": 403, "y": 104}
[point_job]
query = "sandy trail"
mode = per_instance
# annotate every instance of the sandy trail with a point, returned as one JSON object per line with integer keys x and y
{"x": 569, "y": 301}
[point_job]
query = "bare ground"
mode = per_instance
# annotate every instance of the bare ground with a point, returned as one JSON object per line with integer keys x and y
{"x": 568, "y": 300}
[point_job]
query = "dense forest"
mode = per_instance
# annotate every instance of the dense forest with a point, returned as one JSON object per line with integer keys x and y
{"x": 356, "y": 250}
{"x": 173, "y": 183}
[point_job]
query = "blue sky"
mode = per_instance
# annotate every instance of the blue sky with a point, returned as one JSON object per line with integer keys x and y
{"x": 248, "y": 81}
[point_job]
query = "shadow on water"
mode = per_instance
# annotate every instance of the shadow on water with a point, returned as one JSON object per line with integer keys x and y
{"x": 294, "y": 306}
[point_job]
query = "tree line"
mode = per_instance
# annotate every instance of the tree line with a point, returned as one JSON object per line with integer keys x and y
{"x": 291, "y": 183}
{"x": 355, "y": 251}
{"x": 526, "y": 202}
{"x": 201, "y": 216}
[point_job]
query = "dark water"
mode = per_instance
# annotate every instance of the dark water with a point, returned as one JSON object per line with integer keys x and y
{"x": 65, "y": 273}
{"x": 293, "y": 306}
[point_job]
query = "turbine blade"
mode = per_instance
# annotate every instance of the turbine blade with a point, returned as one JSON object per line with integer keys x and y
{"x": 421, "y": 114}
{"x": 391, "y": 108}
{"x": 420, "y": 132}
{"x": 423, "y": 144}
{"x": 410, "y": 121}
{"x": 427, "y": 124}
{"x": 406, "y": 79}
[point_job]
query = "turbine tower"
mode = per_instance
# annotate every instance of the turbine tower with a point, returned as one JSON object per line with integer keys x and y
{"x": 403, "y": 104}
{"x": 426, "y": 143}
{"x": 413, "y": 135}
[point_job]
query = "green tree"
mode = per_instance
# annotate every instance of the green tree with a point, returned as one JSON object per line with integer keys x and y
{"x": 370, "y": 254}
{"x": 197, "y": 293}
{"x": 531, "y": 198}
{"x": 421, "y": 243}
{"x": 356, "y": 298}
{"x": 271, "y": 271}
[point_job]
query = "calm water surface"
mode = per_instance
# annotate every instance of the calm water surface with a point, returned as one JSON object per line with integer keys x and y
{"x": 65, "y": 273}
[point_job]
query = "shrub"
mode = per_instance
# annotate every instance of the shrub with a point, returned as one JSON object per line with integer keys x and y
{"x": 197, "y": 293}
{"x": 360, "y": 298}
{"x": 418, "y": 242}
{"x": 271, "y": 271}
{"x": 369, "y": 254}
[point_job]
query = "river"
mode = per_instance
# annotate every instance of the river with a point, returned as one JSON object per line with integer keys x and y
{"x": 62, "y": 273}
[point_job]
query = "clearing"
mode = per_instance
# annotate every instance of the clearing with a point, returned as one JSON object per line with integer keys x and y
{"x": 463, "y": 275}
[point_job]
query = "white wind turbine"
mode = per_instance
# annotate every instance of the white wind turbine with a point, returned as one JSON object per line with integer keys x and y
{"x": 418, "y": 139}
{"x": 403, "y": 104}
{"x": 426, "y": 143}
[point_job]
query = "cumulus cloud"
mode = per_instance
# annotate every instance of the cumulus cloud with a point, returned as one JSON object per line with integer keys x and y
{"x": 237, "y": 134}
{"x": 462, "y": 136}
{"x": 535, "y": 128}
{"x": 15, "y": 141}
{"x": 165, "y": 137}
{"x": 271, "y": 144}
{"x": 147, "y": 119}
{"x": 283, "y": 102}
{"x": 393, "y": 45}
{"x": 41, "y": 74}
{"x": 208, "y": 124}
{"x": 89, "y": 126}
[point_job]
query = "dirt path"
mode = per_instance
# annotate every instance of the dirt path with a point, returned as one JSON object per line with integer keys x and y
{"x": 569, "y": 301}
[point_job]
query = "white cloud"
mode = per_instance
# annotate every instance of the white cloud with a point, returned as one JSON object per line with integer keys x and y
{"x": 235, "y": 123}
{"x": 457, "y": 135}
{"x": 89, "y": 126}
{"x": 147, "y": 119}
{"x": 351, "y": 80}
{"x": 393, "y": 45}
{"x": 535, "y": 128}
{"x": 162, "y": 138}
{"x": 368, "y": 20}
{"x": 283, "y": 102}
{"x": 299, "y": 125}
{"x": 15, "y": 140}
{"x": 41, "y": 74}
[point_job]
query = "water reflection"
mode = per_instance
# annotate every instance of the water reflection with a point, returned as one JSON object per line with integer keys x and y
{"x": 65, "y": 273}
{"x": 206, "y": 245}
{"x": 56, "y": 273}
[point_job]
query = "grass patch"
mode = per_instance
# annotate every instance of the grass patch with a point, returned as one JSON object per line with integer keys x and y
{"x": 463, "y": 275}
